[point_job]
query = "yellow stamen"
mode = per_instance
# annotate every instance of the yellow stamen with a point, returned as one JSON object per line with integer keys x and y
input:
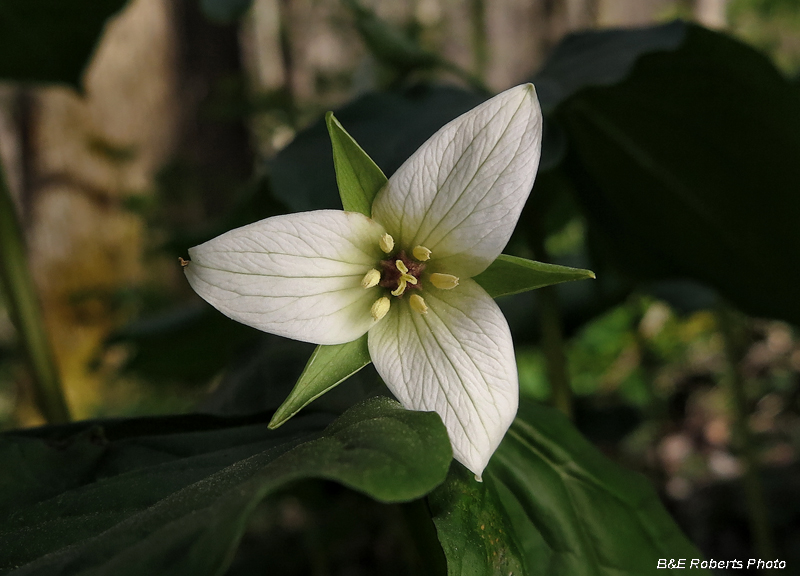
{"x": 371, "y": 279}
{"x": 417, "y": 303}
{"x": 421, "y": 253}
{"x": 380, "y": 308}
{"x": 405, "y": 278}
{"x": 444, "y": 281}
{"x": 387, "y": 243}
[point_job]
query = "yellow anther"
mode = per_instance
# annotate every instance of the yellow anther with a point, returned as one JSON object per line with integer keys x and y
{"x": 380, "y": 308}
{"x": 421, "y": 253}
{"x": 417, "y": 303}
{"x": 387, "y": 243}
{"x": 371, "y": 279}
{"x": 444, "y": 281}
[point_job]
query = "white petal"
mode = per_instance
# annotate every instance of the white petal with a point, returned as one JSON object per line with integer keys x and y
{"x": 461, "y": 193}
{"x": 297, "y": 275}
{"x": 456, "y": 360}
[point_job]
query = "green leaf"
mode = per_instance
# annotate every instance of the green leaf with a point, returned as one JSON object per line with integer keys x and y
{"x": 50, "y": 40}
{"x": 688, "y": 169}
{"x": 358, "y": 177}
{"x": 172, "y": 496}
{"x": 328, "y": 367}
{"x": 473, "y": 529}
{"x": 553, "y": 505}
{"x": 600, "y": 58}
{"x": 511, "y": 275}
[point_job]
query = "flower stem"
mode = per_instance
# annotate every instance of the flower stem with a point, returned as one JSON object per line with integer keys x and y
{"x": 480, "y": 47}
{"x": 732, "y": 327}
{"x": 553, "y": 345}
{"x": 23, "y": 308}
{"x": 423, "y": 537}
{"x": 552, "y": 334}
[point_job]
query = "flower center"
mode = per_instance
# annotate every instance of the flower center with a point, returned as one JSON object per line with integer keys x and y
{"x": 399, "y": 272}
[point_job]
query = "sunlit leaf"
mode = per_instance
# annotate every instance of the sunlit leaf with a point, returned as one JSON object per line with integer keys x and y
{"x": 172, "y": 496}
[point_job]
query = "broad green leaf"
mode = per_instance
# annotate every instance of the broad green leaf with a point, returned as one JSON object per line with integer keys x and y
{"x": 596, "y": 58}
{"x": 687, "y": 168}
{"x": 511, "y": 275}
{"x": 50, "y": 40}
{"x": 172, "y": 496}
{"x": 600, "y": 58}
{"x": 358, "y": 177}
{"x": 552, "y": 504}
{"x": 473, "y": 528}
{"x": 391, "y": 126}
{"x": 328, "y": 367}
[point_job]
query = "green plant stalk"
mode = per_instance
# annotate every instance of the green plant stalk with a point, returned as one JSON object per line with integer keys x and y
{"x": 731, "y": 326}
{"x": 480, "y": 47}
{"x": 422, "y": 535}
{"x": 552, "y": 334}
{"x": 287, "y": 61}
{"x": 553, "y": 345}
{"x": 25, "y": 313}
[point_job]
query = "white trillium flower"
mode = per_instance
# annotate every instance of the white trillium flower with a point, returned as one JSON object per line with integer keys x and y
{"x": 437, "y": 339}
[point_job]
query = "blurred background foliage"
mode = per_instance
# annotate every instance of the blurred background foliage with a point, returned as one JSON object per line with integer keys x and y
{"x": 197, "y": 117}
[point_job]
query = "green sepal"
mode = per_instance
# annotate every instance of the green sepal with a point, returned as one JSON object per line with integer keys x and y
{"x": 511, "y": 275}
{"x": 328, "y": 367}
{"x": 358, "y": 177}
